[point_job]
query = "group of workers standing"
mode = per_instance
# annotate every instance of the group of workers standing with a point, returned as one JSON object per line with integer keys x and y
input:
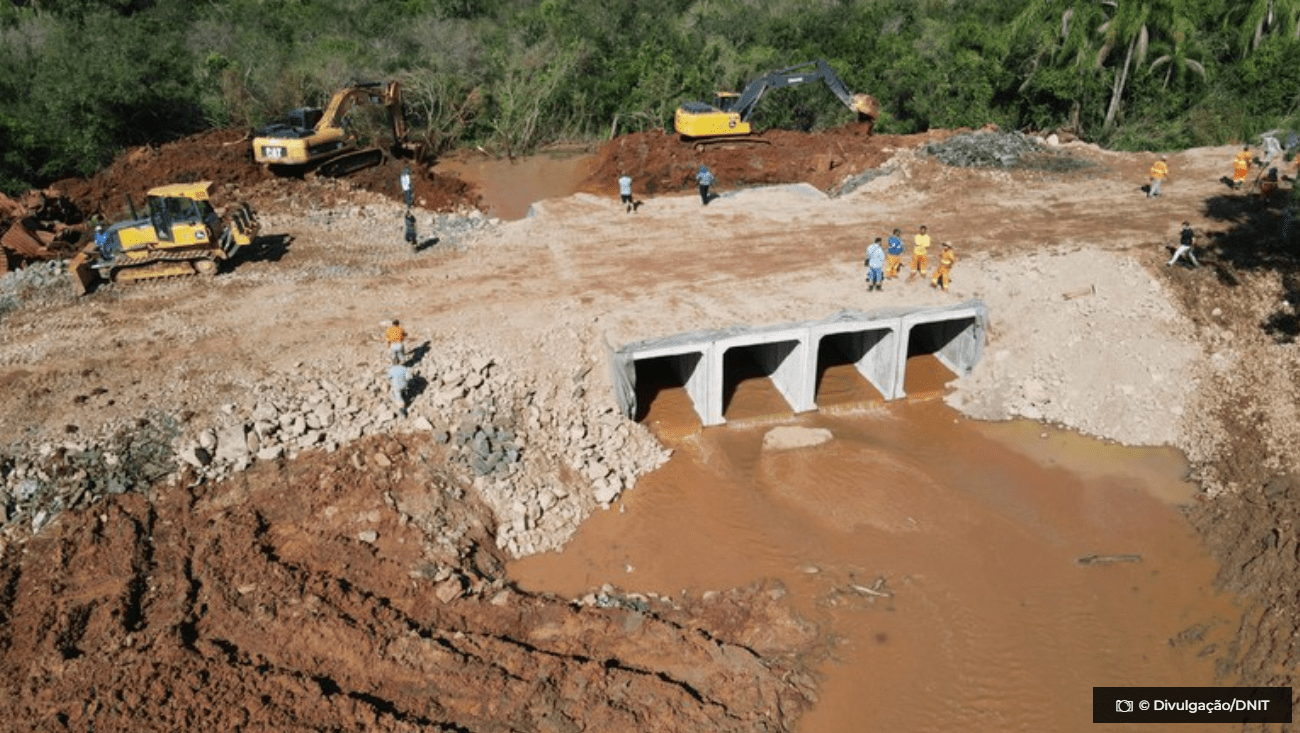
{"x": 886, "y": 262}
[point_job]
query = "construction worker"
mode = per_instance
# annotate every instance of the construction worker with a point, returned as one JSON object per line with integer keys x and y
{"x": 412, "y": 238}
{"x": 875, "y": 265}
{"x": 396, "y": 338}
{"x": 1240, "y": 167}
{"x": 705, "y": 178}
{"x": 943, "y": 274}
{"x": 1185, "y": 239}
{"x": 894, "y": 255}
{"x": 625, "y": 192}
{"x": 1159, "y": 172}
{"x": 101, "y": 242}
{"x": 398, "y": 379}
{"x": 920, "y": 245}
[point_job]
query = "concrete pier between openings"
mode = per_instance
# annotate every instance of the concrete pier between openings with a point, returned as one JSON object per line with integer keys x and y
{"x": 708, "y": 364}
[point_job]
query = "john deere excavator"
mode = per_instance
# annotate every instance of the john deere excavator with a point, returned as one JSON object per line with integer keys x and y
{"x": 181, "y": 235}
{"x": 728, "y": 116}
{"x": 318, "y": 140}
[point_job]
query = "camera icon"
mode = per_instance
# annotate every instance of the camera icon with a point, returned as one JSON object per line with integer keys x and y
{"x": 1123, "y": 706}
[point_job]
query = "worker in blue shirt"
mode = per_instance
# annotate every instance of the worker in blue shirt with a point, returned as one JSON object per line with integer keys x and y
{"x": 894, "y": 257}
{"x": 705, "y": 179}
{"x": 101, "y": 243}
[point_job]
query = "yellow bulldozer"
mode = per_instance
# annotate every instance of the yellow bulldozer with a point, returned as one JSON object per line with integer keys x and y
{"x": 728, "y": 117}
{"x": 181, "y": 235}
{"x": 319, "y": 140}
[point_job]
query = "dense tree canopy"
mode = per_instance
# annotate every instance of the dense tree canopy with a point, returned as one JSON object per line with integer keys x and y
{"x": 84, "y": 78}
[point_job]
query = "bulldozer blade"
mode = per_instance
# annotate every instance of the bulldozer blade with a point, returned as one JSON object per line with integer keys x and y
{"x": 84, "y": 275}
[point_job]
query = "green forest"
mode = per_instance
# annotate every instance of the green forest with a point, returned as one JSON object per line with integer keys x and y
{"x": 83, "y": 79}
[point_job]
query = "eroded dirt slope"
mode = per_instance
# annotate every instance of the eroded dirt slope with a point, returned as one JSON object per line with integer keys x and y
{"x": 359, "y": 591}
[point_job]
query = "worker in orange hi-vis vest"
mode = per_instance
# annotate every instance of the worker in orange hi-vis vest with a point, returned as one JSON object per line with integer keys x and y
{"x": 1241, "y": 167}
{"x": 396, "y": 339}
{"x": 920, "y": 244}
{"x": 1159, "y": 172}
{"x": 943, "y": 275}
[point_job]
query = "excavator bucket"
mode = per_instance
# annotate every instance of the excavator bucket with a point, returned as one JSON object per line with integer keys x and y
{"x": 866, "y": 107}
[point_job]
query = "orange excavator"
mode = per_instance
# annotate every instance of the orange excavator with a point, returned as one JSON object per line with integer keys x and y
{"x": 319, "y": 140}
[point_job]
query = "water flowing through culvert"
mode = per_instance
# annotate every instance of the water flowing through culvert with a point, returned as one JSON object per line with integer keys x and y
{"x": 975, "y": 528}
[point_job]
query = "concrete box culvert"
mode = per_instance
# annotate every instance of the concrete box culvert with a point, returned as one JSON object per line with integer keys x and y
{"x": 688, "y": 370}
{"x": 954, "y": 336}
{"x": 779, "y": 356}
{"x": 711, "y": 364}
{"x": 872, "y": 351}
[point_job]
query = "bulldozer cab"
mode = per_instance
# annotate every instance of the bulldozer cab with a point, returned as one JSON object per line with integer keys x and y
{"x": 182, "y": 214}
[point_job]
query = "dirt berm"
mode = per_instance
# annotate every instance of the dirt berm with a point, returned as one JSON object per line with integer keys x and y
{"x": 214, "y": 518}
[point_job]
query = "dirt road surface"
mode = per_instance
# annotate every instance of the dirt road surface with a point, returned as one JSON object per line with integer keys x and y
{"x": 359, "y": 584}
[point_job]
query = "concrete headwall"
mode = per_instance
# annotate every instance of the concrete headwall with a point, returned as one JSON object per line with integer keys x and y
{"x": 877, "y": 344}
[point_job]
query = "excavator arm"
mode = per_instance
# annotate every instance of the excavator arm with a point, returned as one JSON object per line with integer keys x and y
{"x": 805, "y": 73}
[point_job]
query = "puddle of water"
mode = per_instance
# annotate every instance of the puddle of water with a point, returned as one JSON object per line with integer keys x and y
{"x": 976, "y": 528}
{"x": 510, "y": 187}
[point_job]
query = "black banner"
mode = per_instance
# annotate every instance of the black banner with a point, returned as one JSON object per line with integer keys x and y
{"x": 1191, "y": 705}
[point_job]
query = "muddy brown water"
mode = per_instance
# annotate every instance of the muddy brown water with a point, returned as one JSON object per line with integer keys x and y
{"x": 973, "y": 531}
{"x": 509, "y": 187}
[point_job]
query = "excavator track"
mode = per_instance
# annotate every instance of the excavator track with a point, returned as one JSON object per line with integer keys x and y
{"x": 720, "y": 143}
{"x": 350, "y": 163}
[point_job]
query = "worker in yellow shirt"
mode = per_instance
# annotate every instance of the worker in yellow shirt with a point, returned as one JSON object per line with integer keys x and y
{"x": 1241, "y": 167}
{"x": 943, "y": 275}
{"x": 1159, "y": 172}
{"x": 396, "y": 339}
{"x": 920, "y": 244}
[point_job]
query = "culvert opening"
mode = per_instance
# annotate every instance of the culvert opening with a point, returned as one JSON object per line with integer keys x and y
{"x": 839, "y": 380}
{"x": 937, "y": 353}
{"x": 661, "y": 393}
{"x": 749, "y": 375}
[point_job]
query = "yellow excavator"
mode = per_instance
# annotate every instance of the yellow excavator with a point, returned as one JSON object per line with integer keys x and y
{"x": 181, "y": 235}
{"x": 318, "y": 140}
{"x": 728, "y": 116}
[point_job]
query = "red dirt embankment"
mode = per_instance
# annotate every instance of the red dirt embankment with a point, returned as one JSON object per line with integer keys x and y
{"x": 359, "y": 591}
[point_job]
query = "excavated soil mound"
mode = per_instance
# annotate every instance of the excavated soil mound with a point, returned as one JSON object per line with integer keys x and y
{"x": 662, "y": 162}
{"x": 225, "y": 157}
{"x": 359, "y": 591}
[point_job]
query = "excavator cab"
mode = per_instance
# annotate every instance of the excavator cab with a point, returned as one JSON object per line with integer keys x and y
{"x": 725, "y": 101}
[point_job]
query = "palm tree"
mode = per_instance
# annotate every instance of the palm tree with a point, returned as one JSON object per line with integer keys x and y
{"x": 1072, "y": 37}
{"x": 1265, "y": 17}
{"x": 1135, "y": 25}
